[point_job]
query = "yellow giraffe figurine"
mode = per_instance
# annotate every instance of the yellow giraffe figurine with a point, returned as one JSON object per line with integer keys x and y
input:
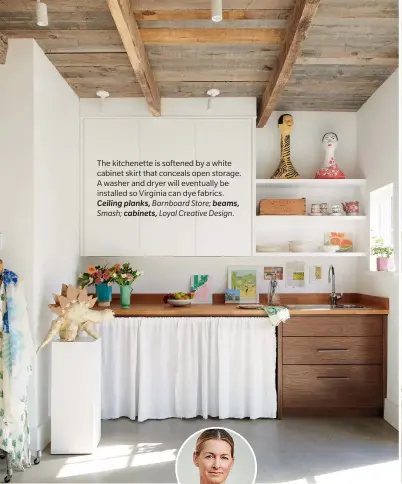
{"x": 285, "y": 168}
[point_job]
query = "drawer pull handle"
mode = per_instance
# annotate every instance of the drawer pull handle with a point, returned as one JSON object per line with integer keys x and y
{"x": 332, "y": 378}
{"x": 331, "y": 350}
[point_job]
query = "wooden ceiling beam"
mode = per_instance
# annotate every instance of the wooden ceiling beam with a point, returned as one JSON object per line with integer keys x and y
{"x": 3, "y": 48}
{"x": 299, "y": 24}
{"x": 132, "y": 41}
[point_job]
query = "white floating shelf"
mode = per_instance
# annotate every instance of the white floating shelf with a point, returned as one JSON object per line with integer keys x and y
{"x": 292, "y": 218}
{"x": 310, "y": 254}
{"x": 311, "y": 182}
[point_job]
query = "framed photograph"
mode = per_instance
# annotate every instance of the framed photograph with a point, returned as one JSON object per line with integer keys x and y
{"x": 270, "y": 271}
{"x": 246, "y": 280}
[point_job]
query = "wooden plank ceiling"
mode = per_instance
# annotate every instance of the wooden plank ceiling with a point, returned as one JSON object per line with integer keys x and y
{"x": 350, "y": 49}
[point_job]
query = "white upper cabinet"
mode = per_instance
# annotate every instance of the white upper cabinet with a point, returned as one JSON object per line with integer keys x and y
{"x": 169, "y": 233}
{"x": 227, "y": 231}
{"x": 167, "y": 187}
{"x": 108, "y": 235}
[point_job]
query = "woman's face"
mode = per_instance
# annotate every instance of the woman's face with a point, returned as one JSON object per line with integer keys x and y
{"x": 215, "y": 461}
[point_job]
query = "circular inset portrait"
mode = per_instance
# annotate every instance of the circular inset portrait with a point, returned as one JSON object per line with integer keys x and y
{"x": 216, "y": 456}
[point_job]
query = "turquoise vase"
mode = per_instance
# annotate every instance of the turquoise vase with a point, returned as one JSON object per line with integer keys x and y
{"x": 125, "y": 296}
{"x": 104, "y": 294}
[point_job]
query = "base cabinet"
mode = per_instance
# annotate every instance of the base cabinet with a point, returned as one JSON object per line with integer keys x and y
{"x": 332, "y": 365}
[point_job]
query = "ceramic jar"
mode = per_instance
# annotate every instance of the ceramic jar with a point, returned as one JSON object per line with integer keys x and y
{"x": 104, "y": 294}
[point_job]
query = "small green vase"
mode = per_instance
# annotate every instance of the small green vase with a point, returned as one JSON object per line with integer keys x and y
{"x": 125, "y": 296}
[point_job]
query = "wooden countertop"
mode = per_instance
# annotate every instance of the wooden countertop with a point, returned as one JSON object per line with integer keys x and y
{"x": 221, "y": 310}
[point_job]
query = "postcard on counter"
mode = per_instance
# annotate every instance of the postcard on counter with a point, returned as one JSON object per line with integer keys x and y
{"x": 232, "y": 296}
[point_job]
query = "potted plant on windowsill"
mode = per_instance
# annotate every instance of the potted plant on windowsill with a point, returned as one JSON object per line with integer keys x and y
{"x": 125, "y": 276}
{"x": 382, "y": 253}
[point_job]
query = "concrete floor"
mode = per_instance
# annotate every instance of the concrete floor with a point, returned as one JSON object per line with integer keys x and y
{"x": 291, "y": 451}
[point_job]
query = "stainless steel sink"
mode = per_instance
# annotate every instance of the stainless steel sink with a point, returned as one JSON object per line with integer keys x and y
{"x": 308, "y": 306}
{"x": 351, "y": 306}
{"x": 326, "y": 306}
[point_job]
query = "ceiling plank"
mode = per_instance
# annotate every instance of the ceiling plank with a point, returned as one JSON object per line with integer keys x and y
{"x": 191, "y": 59}
{"x": 168, "y": 73}
{"x": 131, "y": 38}
{"x": 299, "y": 24}
{"x": 235, "y": 60}
{"x": 212, "y": 36}
{"x": 58, "y": 41}
{"x": 349, "y": 61}
{"x": 205, "y": 14}
{"x": 139, "y": 5}
{"x": 183, "y": 9}
{"x": 3, "y": 48}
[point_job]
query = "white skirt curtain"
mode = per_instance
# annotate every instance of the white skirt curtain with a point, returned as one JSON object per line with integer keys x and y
{"x": 156, "y": 368}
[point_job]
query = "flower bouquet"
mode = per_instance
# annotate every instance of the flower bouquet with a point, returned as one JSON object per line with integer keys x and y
{"x": 125, "y": 276}
{"x": 97, "y": 275}
{"x": 102, "y": 277}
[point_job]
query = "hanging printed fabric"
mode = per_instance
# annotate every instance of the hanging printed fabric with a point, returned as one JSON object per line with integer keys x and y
{"x": 16, "y": 353}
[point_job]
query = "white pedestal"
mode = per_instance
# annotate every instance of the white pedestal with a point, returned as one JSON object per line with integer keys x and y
{"x": 76, "y": 396}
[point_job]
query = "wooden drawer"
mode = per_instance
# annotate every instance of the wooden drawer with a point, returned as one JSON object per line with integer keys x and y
{"x": 348, "y": 325}
{"x": 332, "y": 350}
{"x": 332, "y": 386}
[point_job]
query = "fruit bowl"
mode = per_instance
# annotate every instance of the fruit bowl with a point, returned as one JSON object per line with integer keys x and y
{"x": 179, "y": 302}
{"x": 178, "y": 298}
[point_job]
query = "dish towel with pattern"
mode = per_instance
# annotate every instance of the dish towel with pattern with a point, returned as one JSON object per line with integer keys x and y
{"x": 277, "y": 314}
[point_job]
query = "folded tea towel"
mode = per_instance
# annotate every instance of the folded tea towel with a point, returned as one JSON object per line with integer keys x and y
{"x": 277, "y": 314}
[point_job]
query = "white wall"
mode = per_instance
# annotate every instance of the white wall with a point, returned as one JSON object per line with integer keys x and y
{"x": 39, "y": 153}
{"x": 56, "y": 206}
{"x": 378, "y": 159}
{"x": 16, "y": 161}
{"x": 164, "y": 274}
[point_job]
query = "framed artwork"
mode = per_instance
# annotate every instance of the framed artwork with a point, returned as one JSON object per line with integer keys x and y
{"x": 202, "y": 287}
{"x": 232, "y": 296}
{"x": 343, "y": 240}
{"x": 269, "y": 272}
{"x": 315, "y": 274}
{"x": 245, "y": 279}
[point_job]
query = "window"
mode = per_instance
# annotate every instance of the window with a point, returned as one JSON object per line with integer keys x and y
{"x": 381, "y": 218}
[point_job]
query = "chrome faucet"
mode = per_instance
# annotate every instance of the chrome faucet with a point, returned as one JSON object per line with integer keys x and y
{"x": 333, "y": 297}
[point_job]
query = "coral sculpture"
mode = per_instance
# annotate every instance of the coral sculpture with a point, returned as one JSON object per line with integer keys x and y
{"x": 73, "y": 308}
